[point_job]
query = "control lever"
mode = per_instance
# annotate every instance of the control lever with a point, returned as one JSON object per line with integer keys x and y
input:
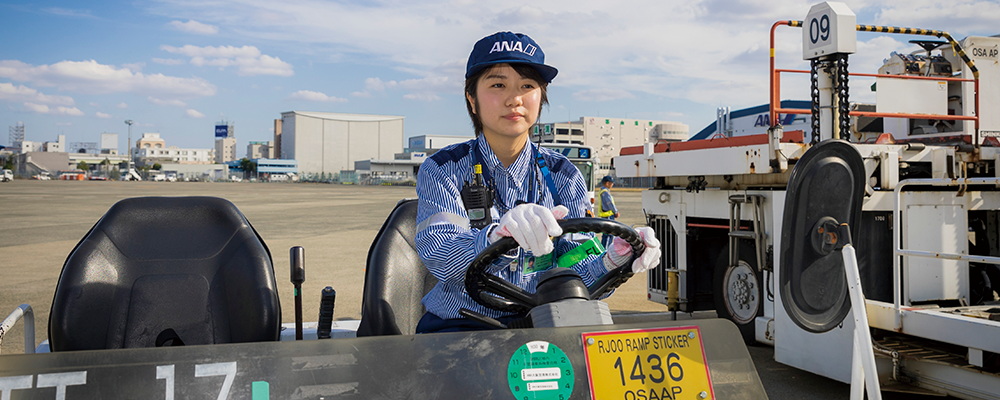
{"x": 482, "y": 319}
{"x": 298, "y": 263}
{"x": 326, "y": 300}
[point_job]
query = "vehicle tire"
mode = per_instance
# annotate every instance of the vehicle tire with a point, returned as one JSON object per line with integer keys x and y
{"x": 738, "y": 290}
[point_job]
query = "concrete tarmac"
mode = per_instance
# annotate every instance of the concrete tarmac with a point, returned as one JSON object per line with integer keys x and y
{"x": 41, "y": 222}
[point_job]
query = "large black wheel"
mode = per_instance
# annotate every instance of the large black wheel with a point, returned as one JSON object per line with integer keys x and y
{"x": 738, "y": 290}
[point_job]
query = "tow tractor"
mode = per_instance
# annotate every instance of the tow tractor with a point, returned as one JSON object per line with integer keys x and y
{"x": 176, "y": 297}
{"x": 927, "y": 236}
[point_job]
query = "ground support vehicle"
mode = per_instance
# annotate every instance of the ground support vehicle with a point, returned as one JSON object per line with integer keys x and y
{"x": 197, "y": 316}
{"x": 929, "y": 232}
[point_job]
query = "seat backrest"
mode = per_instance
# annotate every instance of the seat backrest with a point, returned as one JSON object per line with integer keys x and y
{"x": 395, "y": 278}
{"x": 193, "y": 265}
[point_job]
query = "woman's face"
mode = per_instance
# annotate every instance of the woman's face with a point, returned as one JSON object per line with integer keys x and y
{"x": 508, "y": 104}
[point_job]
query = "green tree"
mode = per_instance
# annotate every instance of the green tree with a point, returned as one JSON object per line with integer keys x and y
{"x": 157, "y": 166}
{"x": 247, "y": 166}
{"x": 82, "y": 165}
{"x": 105, "y": 165}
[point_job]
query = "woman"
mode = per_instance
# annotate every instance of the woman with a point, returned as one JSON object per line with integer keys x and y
{"x": 530, "y": 188}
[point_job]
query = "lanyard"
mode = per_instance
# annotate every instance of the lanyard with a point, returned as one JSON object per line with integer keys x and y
{"x": 542, "y": 166}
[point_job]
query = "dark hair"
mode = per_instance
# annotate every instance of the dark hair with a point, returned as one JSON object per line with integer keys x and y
{"x": 524, "y": 70}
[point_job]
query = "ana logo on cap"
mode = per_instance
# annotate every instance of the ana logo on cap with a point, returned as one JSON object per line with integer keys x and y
{"x": 511, "y": 46}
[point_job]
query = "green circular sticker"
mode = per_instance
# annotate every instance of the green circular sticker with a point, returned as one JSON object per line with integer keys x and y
{"x": 540, "y": 371}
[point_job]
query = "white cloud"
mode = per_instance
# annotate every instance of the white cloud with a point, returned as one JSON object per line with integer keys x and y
{"x": 159, "y": 102}
{"x": 60, "y": 110}
{"x": 308, "y": 95}
{"x": 122, "y": 105}
{"x": 192, "y": 113}
{"x": 425, "y": 96}
{"x": 21, "y": 93}
{"x": 963, "y": 16}
{"x": 378, "y": 85}
{"x": 194, "y": 27}
{"x": 66, "y": 12}
{"x": 134, "y": 67}
{"x": 247, "y": 59}
{"x": 90, "y": 77}
{"x": 168, "y": 61}
{"x": 361, "y": 94}
{"x": 602, "y": 95}
{"x": 721, "y": 57}
{"x": 102, "y": 115}
{"x": 92, "y": 104}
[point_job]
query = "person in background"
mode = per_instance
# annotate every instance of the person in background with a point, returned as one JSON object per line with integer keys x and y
{"x": 604, "y": 205}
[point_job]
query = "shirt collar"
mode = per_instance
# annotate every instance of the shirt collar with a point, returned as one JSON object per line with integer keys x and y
{"x": 519, "y": 170}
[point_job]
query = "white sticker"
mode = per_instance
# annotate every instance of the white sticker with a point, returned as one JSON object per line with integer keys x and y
{"x": 537, "y": 346}
{"x": 536, "y": 386}
{"x": 534, "y": 374}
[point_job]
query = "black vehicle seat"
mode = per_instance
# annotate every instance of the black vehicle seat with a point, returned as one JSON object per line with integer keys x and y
{"x": 395, "y": 279}
{"x": 190, "y": 268}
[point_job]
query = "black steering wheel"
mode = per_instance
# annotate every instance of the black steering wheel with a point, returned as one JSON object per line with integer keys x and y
{"x": 496, "y": 293}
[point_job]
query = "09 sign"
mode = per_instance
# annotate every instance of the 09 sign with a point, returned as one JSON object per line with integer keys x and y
{"x": 819, "y": 29}
{"x": 829, "y": 28}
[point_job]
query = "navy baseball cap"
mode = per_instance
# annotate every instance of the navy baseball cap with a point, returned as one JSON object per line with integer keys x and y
{"x": 607, "y": 178}
{"x": 510, "y": 48}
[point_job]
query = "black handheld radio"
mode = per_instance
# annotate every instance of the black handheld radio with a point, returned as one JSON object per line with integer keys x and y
{"x": 478, "y": 199}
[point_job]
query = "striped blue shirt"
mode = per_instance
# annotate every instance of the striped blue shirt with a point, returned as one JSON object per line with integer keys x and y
{"x": 446, "y": 242}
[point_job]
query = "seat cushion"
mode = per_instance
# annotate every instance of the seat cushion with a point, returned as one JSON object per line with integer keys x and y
{"x": 191, "y": 264}
{"x": 395, "y": 279}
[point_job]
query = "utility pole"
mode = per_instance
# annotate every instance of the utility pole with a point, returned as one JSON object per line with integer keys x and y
{"x": 129, "y": 148}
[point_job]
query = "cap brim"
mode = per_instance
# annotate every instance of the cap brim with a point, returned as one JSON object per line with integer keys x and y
{"x": 548, "y": 73}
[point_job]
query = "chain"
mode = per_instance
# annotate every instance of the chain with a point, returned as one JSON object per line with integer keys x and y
{"x": 814, "y": 93}
{"x": 843, "y": 101}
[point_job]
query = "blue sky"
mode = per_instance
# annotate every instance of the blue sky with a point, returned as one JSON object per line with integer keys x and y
{"x": 178, "y": 66}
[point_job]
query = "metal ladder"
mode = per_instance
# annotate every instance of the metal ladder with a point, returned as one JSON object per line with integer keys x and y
{"x": 735, "y": 203}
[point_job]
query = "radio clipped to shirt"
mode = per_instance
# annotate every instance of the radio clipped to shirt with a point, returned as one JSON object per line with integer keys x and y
{"x": 478, "y": 199}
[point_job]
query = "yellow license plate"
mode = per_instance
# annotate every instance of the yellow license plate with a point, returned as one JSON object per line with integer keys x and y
{"x": 647, "y": 364}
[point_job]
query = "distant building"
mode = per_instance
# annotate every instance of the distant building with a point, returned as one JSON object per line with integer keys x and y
{"x": 277, "y": 140}
{"x": 431, "y": 143}
{"x": 607, "y": 136}
{"x": 175, "y": 155}
{"x": 275, "y": 166}
{"x": 755, "y": 120}
{"x": 187, "y": 172}
{"x": 150, "y": 141}
{"x": 257, "y": 150}
{"x": 58, "y": 146}
{"x": 404, "y": 166}
{"x": 109, "y": 141}
{"x": 152, "y": 149}
{"x": 225, "y": 142}
{"x": 325, "y": 142}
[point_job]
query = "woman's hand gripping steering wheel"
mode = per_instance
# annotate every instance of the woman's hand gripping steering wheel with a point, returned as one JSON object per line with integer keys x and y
{"x": 494, "y": 292}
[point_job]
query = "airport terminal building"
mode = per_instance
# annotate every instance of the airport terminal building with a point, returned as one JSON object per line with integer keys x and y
{"x": 323, "y": 142}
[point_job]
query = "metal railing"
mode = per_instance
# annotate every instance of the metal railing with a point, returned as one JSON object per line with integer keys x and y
{"x": 775, "y": 77}
{"x": 899, "y": 252}
{"x": 22, "y": 311}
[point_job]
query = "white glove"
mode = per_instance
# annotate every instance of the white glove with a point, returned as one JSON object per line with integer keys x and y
{"x": 620, "y": 251}
{"x": 531, "y": 225}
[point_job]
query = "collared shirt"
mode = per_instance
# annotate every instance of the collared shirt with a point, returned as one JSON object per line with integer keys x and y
{"x": 446, "y": 242}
